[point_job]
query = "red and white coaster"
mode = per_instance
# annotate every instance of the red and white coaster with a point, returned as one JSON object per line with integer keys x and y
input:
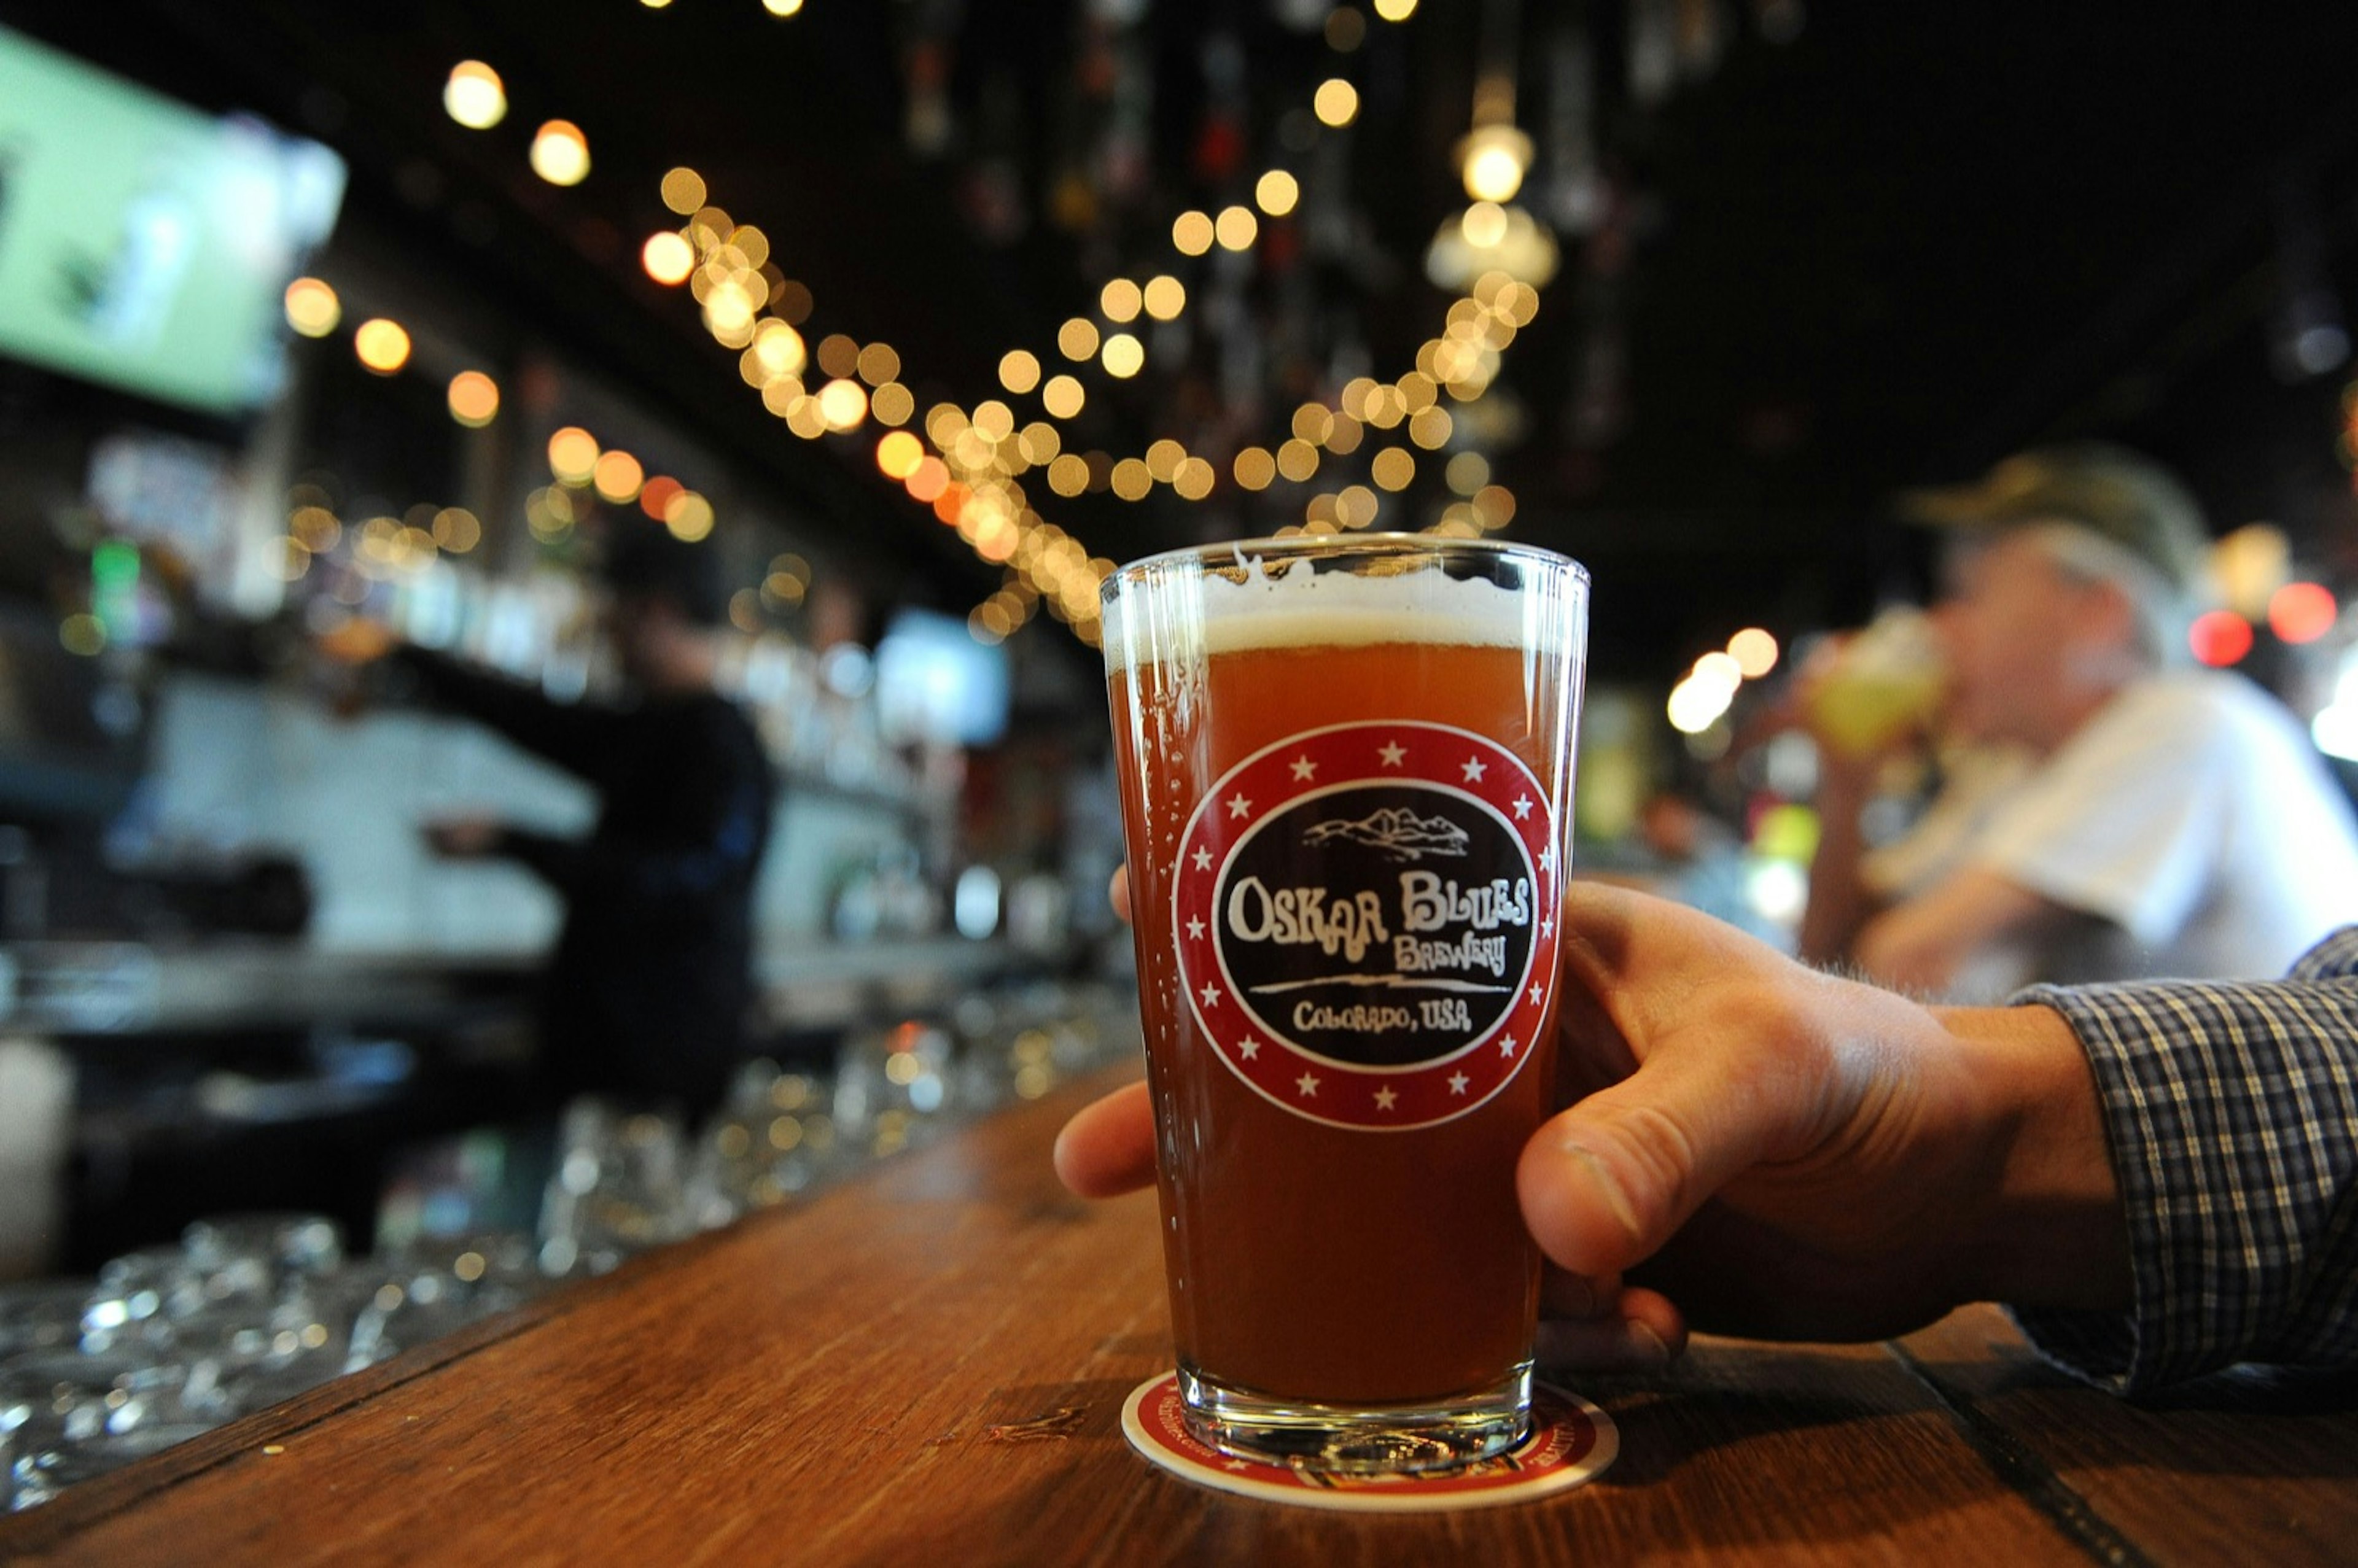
{"x": 1571, "y": 1442}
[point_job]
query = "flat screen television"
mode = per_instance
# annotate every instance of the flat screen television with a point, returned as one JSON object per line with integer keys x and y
{"x": 145, "y": 245}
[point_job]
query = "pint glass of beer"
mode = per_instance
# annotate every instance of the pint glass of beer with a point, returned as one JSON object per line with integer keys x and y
{"x": 1346, "y": 769}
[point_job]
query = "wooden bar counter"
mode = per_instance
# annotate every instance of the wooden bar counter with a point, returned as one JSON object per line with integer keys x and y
{"x": 926, "y": 1366}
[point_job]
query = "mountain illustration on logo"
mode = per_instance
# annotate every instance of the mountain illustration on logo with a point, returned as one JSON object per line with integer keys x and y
{"x": 1396, "y": 831}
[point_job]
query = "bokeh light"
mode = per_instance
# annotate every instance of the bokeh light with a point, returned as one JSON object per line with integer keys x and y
{"x": 842, "y": 403}
{"x": 572, "y": 455}
{"x": 667, "y": 256}
{"x": 1165, "y": 298}
{"x": 2302, "y": 612}
{"x": 2219, "y": 638}
{"x": 618, "y": 476}
{"x": 1276, "y": 192}
{"x": 474, "y": 95}
{"x": 1019, "y": 371}
{"x": 1754, "y": 651}
{"x": 1121, "y": 300}
{"x": 898, "y": 454}
{"x": 312, "y": 307}
{"x": 474, "y": 399}
{"x": 689, "y": 516}
{"x": 383, "y": 346}
{"x": 1337, "y": 102}
{"x": 560, "y": 153}
{"x": 1124, "y": 356}
{"x": 1191, "y": 233}
{"x": 683, "y": 192}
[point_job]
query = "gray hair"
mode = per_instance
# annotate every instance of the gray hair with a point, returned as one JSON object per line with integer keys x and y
{"x": 2163, "y": 610}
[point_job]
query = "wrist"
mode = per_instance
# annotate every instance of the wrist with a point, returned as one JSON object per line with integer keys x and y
{"x": 2049, "y": 1232}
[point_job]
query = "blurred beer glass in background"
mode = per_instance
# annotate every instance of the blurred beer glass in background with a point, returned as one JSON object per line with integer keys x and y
{"x": 1345, "y": 771}
{"x": 1877, "y": 686}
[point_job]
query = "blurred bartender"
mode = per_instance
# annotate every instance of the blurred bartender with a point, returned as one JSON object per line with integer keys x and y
{"x": 2169, "y": 821}
{"x": 645, "y": 996}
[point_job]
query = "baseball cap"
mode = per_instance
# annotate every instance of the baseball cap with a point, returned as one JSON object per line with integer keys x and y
{"x": 2109, "y": 490}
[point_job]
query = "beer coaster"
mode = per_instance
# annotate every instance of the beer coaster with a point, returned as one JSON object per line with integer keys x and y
{"x": 1571, "y": 1442}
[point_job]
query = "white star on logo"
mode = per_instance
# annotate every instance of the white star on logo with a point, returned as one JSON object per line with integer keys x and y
{"x": 1458, "y": 1082}
{"x": 1507, "y": 1047}
{"x": 1303, "y": 767}
{"x": 1249, "y": 1048}
{"x": 1236, "y": 1465}
{"x": 1537, "y": 994}
{"x": 1384, "y": 1098}
{"x": 1392, "y": 754}
{"x": 1522, "y": 806}
{"x": 1211, "y": 993}
{"x": 1547, "y": 859}
{"x": 1238, "y": 805}
{"x": 1203, "y": 860}
{"x": 1307, "y": 1083}
{"x": 1195, "y": 931}
{"x": 1547, "y": 926}
{"x": 1473, "y": 769}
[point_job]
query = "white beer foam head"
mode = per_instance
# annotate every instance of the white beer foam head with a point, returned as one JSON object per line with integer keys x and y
{"x": 1190, "y": 612}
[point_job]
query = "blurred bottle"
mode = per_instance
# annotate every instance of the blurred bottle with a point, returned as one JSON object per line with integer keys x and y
{"x": 1878, "y": 685}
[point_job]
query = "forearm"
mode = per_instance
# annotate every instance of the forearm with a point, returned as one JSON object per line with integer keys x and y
{"x": 2050, "y": 1232}
{"x": 2232, "y": 1113}
{"x": 1839, "y": 900}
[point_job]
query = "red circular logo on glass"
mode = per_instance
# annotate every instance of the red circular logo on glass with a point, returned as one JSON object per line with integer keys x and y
{"x": 1365, "y": 918}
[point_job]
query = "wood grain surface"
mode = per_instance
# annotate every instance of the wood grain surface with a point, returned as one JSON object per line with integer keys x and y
{"x": 927, "y": 1366}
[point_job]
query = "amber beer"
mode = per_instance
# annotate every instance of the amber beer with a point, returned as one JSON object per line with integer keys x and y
{"x": 1345, "y": 771}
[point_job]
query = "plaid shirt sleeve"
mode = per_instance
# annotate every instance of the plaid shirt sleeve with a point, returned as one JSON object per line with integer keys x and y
{"x": 2231, "y": 1111}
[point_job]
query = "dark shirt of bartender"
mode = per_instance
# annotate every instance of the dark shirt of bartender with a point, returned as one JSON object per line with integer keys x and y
{"x": 644, "y": 998}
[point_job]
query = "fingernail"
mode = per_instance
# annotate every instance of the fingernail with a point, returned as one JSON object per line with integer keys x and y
{"x": 1608, "y": 1187}
{"x": 1647, "y": 1347}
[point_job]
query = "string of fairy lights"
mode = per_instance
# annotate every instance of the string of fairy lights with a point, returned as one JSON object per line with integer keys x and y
{"x": 972, "y": 477}
{"x": 969, "y": 465}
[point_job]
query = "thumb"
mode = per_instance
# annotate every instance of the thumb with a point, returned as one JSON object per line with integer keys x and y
{"x": 1605, "y": 1183}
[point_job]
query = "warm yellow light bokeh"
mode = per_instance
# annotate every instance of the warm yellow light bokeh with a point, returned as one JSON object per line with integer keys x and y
{"x": 688, "y": 516}
{"x": 456, "y": 530}
{"x": 1236, "y": 229}
{"x": 560, "y": 153}
{"x": 1119, "y": 300}
{"x": 312, "y": 307}
{"x": 1191, "y": 232}
{"x": 618, "y": 477}
{"x": 572, "y": 455}
{"x": 1493, "y": 172}
{"x": 842, "y": 403}
{"x": 1078, "y": 339}
{"x": 899, "y": 453}
{"x": 1277, "y": 192}
{"x": 1124, "y": 356}
{"x": 1755, "y": 651}
{"x": 1165, "y": 297}
{"x": 474, "y": 399}
{"x": 1337, "y": 102}
{"x": 667, "y": 257}
{"x": 683, "y": 191}
{"x": 474, "y": 96}
{"x": 383, "y": 346}
{"x": 1019, "y": 371}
